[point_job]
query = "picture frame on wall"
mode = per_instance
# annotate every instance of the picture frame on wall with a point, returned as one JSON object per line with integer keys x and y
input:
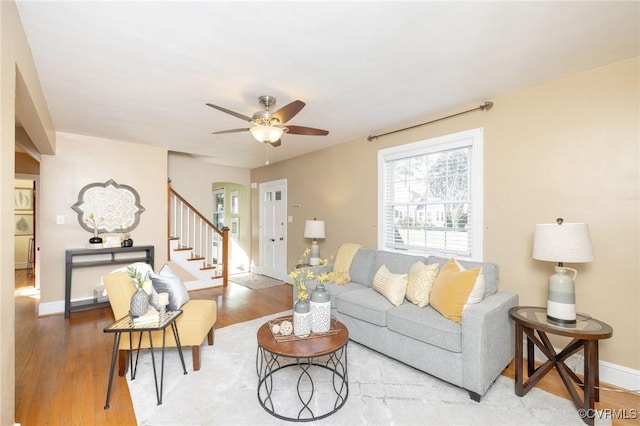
{"x": 23, "y": 199}
{"x": 23, "y": 224}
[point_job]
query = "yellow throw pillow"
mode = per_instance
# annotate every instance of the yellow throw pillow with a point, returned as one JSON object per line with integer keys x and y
{"x": 419, "y": 283}
{"x": 451, "y": 291}
{"x": 342, "y": 264}
{"x": 391, "y": 286}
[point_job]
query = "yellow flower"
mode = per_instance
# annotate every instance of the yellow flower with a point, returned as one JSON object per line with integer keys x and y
{"x": 300, "y": 278}
{"x": 324, "y": 277}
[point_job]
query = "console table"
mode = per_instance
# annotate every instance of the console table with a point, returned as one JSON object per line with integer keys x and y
{"x": 98, "y": 257}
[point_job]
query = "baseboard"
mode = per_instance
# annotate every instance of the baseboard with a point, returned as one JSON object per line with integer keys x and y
{"x": 613, "y": 374}
{"x": 200, "y": 284}
{"x": 51, "y": 308}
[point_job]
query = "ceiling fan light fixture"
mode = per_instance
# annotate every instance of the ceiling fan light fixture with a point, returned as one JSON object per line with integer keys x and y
{"x": 266, "y": 134}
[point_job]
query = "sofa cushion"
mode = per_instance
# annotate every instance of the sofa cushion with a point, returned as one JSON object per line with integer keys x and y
{"x": 391, "y": 286}
{"x": 419, "y": 282}
{"x": 333, "y": 289}
{"x": 364, "y": 304}
{"x": 451, "y": 291}
{"x": 360, "y": 270}
{"x": 426, "y": 325}
{"x": 397, "y": 263}
{"x": 489, "y": 270}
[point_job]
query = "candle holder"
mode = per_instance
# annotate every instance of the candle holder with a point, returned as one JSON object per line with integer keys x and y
{"x": 163, "y": 301}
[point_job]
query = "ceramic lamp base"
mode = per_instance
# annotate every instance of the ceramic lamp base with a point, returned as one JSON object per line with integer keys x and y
{"x": 561, "y": 299}
{"x": 314, "y": 254}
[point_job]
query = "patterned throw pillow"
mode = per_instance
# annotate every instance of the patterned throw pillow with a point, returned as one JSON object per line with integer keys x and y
{"x": 419, "y": 283}
{"x": 455, "y": 289}
{"x": 168, "y": 282}
{"x": 391, "y": 286}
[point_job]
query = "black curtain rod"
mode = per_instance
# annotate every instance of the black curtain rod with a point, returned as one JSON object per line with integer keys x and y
{"x": 484, "y": 107}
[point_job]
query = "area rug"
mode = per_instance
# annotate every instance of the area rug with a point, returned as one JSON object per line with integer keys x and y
{"x": 254, "y": 281}
{"x": 381, "y": 392}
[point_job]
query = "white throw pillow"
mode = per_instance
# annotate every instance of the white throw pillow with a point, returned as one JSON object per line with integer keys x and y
{"x": 477, "y": 293}
{"x": 391, "y": 286}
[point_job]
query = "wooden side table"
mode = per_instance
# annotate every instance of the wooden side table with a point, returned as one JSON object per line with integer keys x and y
{"x": 585, "y": 334}
{"x": 126, "y": 325}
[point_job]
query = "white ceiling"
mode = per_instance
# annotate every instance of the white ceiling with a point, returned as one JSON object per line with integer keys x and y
{"x": 142, "y": 71}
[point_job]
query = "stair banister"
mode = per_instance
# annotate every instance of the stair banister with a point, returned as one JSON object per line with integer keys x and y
{"x": 201, "y": 241}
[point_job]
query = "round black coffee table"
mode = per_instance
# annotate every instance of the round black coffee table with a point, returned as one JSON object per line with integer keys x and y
{"x": 310, "y": 358}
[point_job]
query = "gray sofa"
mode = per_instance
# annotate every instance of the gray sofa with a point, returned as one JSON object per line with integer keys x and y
{"x": 470, "y": 355}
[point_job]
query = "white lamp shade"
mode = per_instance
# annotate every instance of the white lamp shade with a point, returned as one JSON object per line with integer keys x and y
{"x": 314, "y": 229}
{"x": 568, "y": 242}
{"x": 266, "y": 133}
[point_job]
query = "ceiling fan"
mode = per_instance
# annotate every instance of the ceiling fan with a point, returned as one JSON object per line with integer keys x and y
{"x": 267, "y": 126}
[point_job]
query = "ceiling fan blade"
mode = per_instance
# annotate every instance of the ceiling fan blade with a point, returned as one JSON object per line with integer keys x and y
{"x": 222, "y": 132}
{"x": 228, "y": 111}
{"x": 309, "y": 131}
{"x": 288, "y": 111}
{"x": 276, "y": 143}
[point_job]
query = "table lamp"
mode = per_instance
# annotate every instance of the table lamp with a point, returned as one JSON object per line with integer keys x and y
{"x": 314, "y": 229}
{"x": 562, "y": 242}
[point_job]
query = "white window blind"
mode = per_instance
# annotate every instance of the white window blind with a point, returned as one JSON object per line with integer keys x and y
{"x": 430, "y": 196}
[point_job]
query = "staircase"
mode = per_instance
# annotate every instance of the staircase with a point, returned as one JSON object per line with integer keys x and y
{"x": 196, "y": 244}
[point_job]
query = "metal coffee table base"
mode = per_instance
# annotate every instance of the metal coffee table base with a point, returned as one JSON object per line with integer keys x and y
{"x": 267, "y": 364}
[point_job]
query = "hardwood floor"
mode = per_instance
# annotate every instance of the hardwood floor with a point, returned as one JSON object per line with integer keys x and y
{"x": 62, "y": 366}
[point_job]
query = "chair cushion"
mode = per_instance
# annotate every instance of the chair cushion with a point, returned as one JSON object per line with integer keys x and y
{"x": 198, "y": 317}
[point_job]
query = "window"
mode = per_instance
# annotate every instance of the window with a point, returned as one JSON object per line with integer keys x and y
{"x": 430, "y": 196}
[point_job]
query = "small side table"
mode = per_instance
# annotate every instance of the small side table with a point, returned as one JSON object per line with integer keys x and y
{"x": 585, "y": 333}
{"x": 126, "y": 325}
{"x": 304, "y": 355}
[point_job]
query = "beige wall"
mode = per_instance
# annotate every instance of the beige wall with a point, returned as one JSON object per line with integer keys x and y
{"x": 192, "y": 178}
{"x": 79, "y": 161}
{"x": 565, "y": 148}
{"x": 20, "y": 92}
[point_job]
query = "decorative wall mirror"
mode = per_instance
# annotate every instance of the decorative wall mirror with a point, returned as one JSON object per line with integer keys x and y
{"x": 109, "y": 207}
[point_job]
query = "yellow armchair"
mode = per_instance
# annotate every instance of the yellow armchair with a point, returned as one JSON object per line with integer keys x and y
{"x": 196, "y": 322}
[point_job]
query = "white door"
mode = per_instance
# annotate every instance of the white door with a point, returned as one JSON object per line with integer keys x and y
{"x": 273, "y": 229}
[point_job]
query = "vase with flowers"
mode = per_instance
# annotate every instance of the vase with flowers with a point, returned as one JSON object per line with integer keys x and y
{"x": 140, "y": 298}
{"x": 302, "y": 307}
{"x": 321, "y": 305}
